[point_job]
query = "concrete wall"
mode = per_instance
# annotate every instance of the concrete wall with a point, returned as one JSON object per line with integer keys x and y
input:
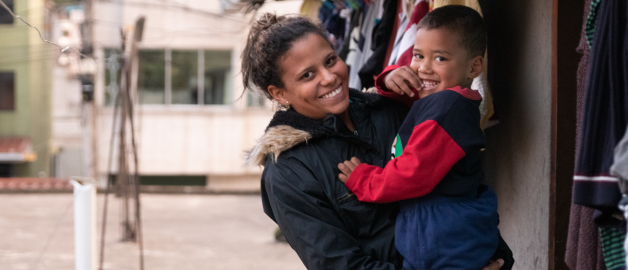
{"x": 25, "y": 54}
{"x": 190, "y": 141}
{"x": 517, "y": 159}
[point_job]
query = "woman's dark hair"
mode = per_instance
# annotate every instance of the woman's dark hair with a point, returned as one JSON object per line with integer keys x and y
{"x": 271, "y": 36}
{"x": 463, "y": 21}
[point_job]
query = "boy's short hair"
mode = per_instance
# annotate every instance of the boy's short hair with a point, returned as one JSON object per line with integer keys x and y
{"x": 464, "y": 21}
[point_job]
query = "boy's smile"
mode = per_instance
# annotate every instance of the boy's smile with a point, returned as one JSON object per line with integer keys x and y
{"x": 442, "y": 62}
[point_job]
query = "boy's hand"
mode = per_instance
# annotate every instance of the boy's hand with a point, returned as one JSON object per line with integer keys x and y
{"x": 494, "y": 265}
{"x": 402, "y": 81}
{"x": 347, "y": 167}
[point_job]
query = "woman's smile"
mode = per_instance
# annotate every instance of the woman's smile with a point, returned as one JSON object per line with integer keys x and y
{"x": 332, "y": 94}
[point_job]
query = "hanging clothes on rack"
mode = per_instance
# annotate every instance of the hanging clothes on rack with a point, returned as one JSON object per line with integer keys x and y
{"x": 404, "y": 42}
{"x": 605, "y": 113}
{"x": 590, "y": 26}
{"x": 584, "y": 248}
{"x": 480, "y": 83}
{"x": 310, "y": 9}
{"x": 603, "y": 125}
{"x": 619, "y": 169}
{"x": 374, "y": 65}
{"x": 363, "y": 50}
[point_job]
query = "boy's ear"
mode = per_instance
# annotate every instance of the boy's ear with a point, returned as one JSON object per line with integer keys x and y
{"x": 477, "y": 66}
{"x": 277, "y": 94}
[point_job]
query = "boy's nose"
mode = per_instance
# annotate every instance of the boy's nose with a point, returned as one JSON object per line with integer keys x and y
{"x": 425, "y": 66}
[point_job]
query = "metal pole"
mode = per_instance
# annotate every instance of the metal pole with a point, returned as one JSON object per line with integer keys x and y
{"x": 84, "y": 223}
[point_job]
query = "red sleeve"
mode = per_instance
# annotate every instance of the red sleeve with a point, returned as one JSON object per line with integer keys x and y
{"x": 426, "y": 159}
{"x": 383, "y": 91}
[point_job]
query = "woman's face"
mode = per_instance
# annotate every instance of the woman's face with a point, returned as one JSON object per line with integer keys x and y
{"x": 315, "y": 79}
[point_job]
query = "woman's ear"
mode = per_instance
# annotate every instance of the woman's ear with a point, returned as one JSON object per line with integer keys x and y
{"x": 477, "y": 65}
{"x": 277, "y": 94}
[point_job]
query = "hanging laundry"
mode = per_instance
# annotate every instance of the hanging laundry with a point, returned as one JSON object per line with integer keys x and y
{"x": 604, "y": 122}
{"x": 612, "y": 246}
{"x": 310, "y": 9}
{"x": 381, "y": 36}
{"x": 590, "y": 26}
{"x": 584, "y": 248}
{"x": 404, "y": 42}
{"x": 605, "y": 114}
{"x": 363, "y": 50}
{"x": 619, "y": 169}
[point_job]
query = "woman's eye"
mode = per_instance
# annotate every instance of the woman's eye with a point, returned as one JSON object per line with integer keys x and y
{"x": 441, "y": 59}
{"x": 330, "y": 61}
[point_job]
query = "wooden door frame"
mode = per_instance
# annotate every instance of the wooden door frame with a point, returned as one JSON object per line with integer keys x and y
{"x": 566, "y": 30}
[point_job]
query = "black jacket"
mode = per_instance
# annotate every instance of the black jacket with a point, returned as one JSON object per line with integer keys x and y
{"x": 321, "y": 219}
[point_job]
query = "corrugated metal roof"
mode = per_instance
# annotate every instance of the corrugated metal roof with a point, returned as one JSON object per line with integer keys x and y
{"x": 34, "y": 184}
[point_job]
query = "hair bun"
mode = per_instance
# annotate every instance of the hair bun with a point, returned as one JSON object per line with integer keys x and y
{"x": 264, "y": 22}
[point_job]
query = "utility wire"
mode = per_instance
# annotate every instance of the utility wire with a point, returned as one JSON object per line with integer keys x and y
{"x": 40, "y": 36}
{"x": 180, "y": 6}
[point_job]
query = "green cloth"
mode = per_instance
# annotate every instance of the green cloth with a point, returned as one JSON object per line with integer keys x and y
{"x": 613, "y": 248}
{"x": 589, "y": 28}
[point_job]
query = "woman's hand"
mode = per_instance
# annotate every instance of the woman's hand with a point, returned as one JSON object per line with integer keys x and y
{"x": 494, "y": 265}
{"x": 402, "y": 81}
{"x": 347, "y": 167}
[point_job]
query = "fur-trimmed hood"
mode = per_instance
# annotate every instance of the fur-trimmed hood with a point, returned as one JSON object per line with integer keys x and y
{"x": 276, "y": 140}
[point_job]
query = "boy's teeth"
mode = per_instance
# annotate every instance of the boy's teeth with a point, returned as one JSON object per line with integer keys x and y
{"x": 429, "y": 84}
{"x": 335, "y": 92}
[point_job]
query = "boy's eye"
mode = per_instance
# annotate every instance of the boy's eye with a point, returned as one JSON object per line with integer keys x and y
{"x": 308, "y": 75}
{"x": 418, "y": 56}
{"x": 441, "y": 59}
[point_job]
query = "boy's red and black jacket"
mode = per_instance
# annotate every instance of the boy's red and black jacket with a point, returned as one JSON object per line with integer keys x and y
{"x": 442, "y": 140}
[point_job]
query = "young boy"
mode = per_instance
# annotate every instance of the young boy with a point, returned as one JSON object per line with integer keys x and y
{"x": 448, "y": 219}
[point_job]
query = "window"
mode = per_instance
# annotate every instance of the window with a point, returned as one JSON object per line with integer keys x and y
{"x": 5, "y": 16}
{"x": 150, "y": 80}
{"x": 175, "y": 77}
{"x": 7, "y": 91}
{"x": 184, "y": 71}
{"x": 217, "y": 66}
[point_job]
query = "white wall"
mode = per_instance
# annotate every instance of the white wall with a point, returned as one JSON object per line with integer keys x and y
{"x": 518, "y": 154}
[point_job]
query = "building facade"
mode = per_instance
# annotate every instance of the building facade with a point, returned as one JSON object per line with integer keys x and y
{"x": 25, "y": 90}
{"x": 184, "y": 136}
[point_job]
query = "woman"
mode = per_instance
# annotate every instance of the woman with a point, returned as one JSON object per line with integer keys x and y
{"x": 323, "y": 123}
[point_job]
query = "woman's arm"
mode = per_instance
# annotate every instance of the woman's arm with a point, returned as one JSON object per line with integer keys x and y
{"x": 309, "y": 222}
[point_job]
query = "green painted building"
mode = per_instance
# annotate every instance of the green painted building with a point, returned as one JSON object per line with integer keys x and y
{"x": 26, "y": 64}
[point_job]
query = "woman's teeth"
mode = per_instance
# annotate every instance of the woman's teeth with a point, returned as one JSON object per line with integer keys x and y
{"x": 429, "y": 84}
{"x": 332, "y": 94}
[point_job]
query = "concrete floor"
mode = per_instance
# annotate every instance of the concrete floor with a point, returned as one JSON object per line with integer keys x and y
{"x": 221, "y": 232}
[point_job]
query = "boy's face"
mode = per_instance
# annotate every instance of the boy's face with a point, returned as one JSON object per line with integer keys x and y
{"x": 442, "y": 62}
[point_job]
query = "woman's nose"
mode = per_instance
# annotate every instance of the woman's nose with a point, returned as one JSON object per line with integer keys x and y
{"x": 328, "y": 77}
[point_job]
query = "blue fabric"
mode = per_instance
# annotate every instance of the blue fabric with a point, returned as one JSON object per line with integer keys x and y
{"x": 441, "y": 232}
